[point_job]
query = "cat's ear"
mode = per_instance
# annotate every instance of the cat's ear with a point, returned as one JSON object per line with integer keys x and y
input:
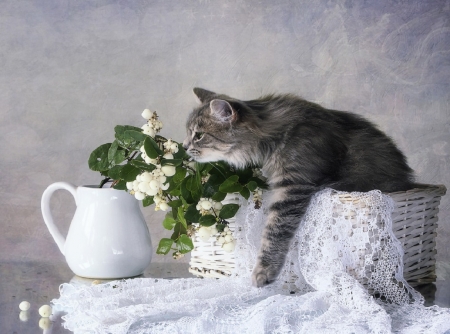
{"x": 203, "y": 95}
{"x": 222, "y": 110}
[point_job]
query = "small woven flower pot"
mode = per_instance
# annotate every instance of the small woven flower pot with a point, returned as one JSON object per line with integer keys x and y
{"x": 414, "y": 223}
{"x": 208, "y": 259}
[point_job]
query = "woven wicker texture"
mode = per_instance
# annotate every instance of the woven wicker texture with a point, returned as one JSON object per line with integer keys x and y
{"x": 414, "y": 223}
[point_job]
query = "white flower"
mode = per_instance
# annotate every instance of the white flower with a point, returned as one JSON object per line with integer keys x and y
{"x": 164, "y": 206}
{"x": 213, "y": 229}
{"x": 143, "y": 187}
{"x": 147, "y": 114}
{"x": 146, "y": 177}
{"x": 168, "y": 156}
{"x": 204, "y": 233}
{"x": 168, "y": 170}
{"x": 229, "y": 246}
{"x": 146, "y": 129}
{"x": 170, "y": 146}
{"x": 206, "y": 205}
{"x": 152, "y": 192}
{"x": 129, "y": 185}
{"x": 154, "y": 184}
{"x": 139, "y": 195}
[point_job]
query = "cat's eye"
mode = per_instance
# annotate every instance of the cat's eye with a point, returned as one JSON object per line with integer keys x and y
{"x": 198, "y": 135}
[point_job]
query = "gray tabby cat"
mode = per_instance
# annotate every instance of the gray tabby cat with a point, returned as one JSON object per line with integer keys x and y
{"x": 301, "y": 148}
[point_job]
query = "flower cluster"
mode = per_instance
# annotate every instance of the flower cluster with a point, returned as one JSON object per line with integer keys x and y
{"x": 149, "y": 183}
{"x": 226, "y": 240}
{"x": 170, "y": 146}
{"x": 157, "y": 170}
{"x": 153, "y": 125}
{"x": 207, "y": 206}
{"x": 206, "y": 232}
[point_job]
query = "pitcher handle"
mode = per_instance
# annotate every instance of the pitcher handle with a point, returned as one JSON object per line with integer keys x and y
{"x": 47, "y": 215}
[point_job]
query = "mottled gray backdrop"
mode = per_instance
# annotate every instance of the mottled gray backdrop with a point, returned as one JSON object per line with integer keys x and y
{"x": 71, "y": 70}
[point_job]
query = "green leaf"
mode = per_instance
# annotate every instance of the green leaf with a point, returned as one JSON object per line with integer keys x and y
{"x": 147, "y": 201}
{"x": 136, "y": 135}
{"x": 252, "y": 185}
{"x": 184, "y": 244}
{"x": 115, "y": 154}
{"x": 231, "y": 185}
{"x": 244, "y": 174}
{"x": 175, "y": 203}
{"x": 151, "y": 148}
{"x": 208, "y": 190}
{"x": 129, "y": 173}
{"x": 245, "y": 193}
{"x": 192, "y": 214}
{"x": 220, "y": 227}
{"x": 143, "y": 165}
{"x": 120, "y": 129}
{"x": 261, "y": 184}
{"x": 228, "y": 211}
{"x": 114, "y": 172}
{"x": 219, "y": 196}
{"x": 121, "y": 185}
{"x": 193, "y": 184}
{"x": 165, "y": 244}
{"x": 175, "y": 192}
{"x": 207, "y": 220}
{"x": 181, "y": 217}
{"x": 98, "y": 160}
{"x": 185, "y": 193}
{"x": 168, "y": 222}
{"x": 171, "y": 162}
{"x": 126, "y": 139}
{"x": 180, "y": 174}
{"x": 178, "y": 230}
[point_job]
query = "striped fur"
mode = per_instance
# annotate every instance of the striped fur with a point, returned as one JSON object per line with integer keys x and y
{"x": 301, "y": 148}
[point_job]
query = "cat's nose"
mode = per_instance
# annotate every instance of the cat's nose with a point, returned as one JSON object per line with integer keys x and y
{"x": 186, "y": 144}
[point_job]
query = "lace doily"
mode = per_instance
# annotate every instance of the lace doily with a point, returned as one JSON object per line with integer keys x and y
{"x": 332, "y": 265}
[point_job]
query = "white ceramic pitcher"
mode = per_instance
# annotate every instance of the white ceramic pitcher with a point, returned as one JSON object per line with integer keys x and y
{"x": 108, "y": 237}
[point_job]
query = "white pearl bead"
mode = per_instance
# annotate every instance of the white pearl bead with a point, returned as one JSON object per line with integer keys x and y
{"x": 44, "y": 323}
{"x": 24, "y": 306}
{"x": 45, "y": 311}
{"x": 206, "y": 205}
{"x": 23, "y": 316}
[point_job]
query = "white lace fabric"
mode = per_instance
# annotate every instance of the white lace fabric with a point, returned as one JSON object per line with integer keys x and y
{"x": 332, "y": 265}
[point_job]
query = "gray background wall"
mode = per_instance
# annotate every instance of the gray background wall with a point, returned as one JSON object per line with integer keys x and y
{"x": 71, "y": 70}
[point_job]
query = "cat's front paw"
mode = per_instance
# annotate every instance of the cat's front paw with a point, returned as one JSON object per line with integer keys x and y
{"x": 261, "y": 276}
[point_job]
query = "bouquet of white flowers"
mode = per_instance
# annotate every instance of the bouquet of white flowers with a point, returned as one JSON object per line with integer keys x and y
{"x": 157, "y": 170}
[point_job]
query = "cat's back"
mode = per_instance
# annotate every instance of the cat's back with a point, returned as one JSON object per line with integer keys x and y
{"x": 354, "y": 154}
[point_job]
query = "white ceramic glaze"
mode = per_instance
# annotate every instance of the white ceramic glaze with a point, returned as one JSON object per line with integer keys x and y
{"x": 108, "y": 237}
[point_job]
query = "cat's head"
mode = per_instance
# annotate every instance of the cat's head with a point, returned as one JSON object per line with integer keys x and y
{"x": 220, "y": 129}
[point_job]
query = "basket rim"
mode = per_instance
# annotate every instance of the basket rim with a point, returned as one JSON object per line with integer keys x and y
{"x": 438, "y": 189}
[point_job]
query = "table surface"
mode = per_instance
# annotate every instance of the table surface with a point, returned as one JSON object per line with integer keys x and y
{"x": 38, "y": 283}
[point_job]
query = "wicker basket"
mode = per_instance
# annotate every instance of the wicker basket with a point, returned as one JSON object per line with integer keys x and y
{"x": 414, "y": 223}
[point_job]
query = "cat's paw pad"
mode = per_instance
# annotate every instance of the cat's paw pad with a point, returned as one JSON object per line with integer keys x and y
{"x": 260, "y": 277}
